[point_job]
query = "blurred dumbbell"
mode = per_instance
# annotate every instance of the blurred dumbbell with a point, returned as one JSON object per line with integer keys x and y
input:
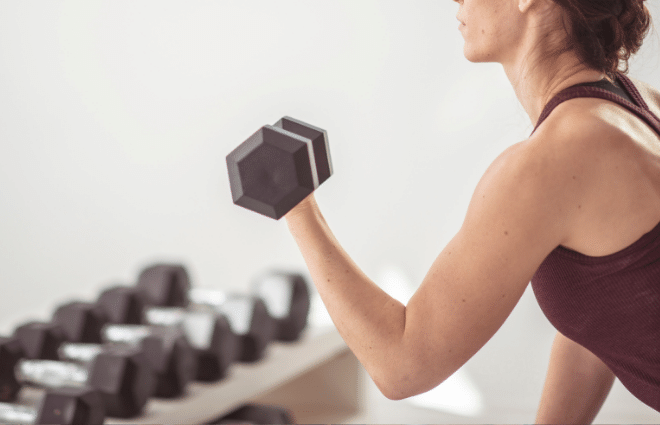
{"x": 40, "y": 340}
{"x": 72, "y": 322}
{"x": 279, "y": 166}
{"x": 208, "y": 333}
{"x": 10, "y": 353}
{"x": 247, "y": 315}
{"x": 167, "y": 350}
{"x": 286, "y": 295}
{"x": 66, "y": 406}
{"x": 168, "y": 285}
{"x": 129, "y": 386}
{"x": 120, "y": 373}
{"x": 80, "y": 321}
{"x": 257, "y": 414}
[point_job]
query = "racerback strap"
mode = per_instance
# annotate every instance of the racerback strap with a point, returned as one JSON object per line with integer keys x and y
{"x": 639, "y": 108}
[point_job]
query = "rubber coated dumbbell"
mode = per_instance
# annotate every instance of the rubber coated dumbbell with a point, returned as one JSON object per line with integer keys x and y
{"x": 72, "y": 322}
{"x": 66, "y": 406}
{"x": 248, "y": 317}
{"x": 40, "y": 340}
{"x": 279, "y": 166}
{"x": 285, "y": 294}
{"x": 119, "y": 373}
{"x": 167, "y": 349}
{"x": 169, "y": 285}
{"x": 123, "y": 375}
{"x": 209, "y": 334}
{"x": 10, "y": 354}
{"x": 80, "y": 321}
{"x": 257, "y": 414}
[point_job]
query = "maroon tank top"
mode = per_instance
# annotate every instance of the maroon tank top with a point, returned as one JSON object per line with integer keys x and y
{"x": 610, "y": 305}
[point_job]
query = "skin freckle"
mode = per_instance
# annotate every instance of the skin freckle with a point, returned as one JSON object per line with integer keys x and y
{"x": 506, "y": 233}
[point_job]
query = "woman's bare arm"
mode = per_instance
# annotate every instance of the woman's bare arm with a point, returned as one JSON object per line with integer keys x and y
{"x": 576, "y": 385}
{"x": 523, "y": 208}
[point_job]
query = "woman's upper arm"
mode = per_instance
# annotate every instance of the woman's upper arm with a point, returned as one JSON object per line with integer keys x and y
{"x": 520, "y": 211}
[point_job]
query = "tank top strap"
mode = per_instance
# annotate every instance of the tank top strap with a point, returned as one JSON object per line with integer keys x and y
{"x": 639, "y": 108}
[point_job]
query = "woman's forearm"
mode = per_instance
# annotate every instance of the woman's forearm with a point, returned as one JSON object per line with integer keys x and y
{"x": 370, "y": 321}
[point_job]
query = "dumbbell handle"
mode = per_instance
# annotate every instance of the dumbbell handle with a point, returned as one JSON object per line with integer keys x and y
{"x": 16, "y": 414}
{"x": 51, "y": 373}
{"x": 79, "y": 352}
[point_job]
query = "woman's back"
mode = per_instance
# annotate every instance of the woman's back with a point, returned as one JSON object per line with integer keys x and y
{"x": 624, "y": 198}
{"x": 601, "y": 287}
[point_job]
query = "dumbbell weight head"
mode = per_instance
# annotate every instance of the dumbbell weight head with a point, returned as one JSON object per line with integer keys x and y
{"x": 10, "y": 354}
{"x": 287, "y": 298}
{"x": 80, "y": 321}
{"x": 209, "y": 334}
{"x": 120, "y": 372}
{"x": 122, "y": 305}
{"x": 40, "y": 340}
{"x": 247, "y": 315}
{"x": 258, "y": 414}
{"x": 167, "y": 350}
{"x": 66, "y": 406}
{"x": 164, "y": 285}
{"x": 279, "y": 166}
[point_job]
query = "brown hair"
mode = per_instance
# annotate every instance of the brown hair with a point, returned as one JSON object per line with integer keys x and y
{"x": 604, "y": 33}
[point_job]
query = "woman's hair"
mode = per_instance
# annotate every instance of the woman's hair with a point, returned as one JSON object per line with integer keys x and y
{"x": 604, "y": 33}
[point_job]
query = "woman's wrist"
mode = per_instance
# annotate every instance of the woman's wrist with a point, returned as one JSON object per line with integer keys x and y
{"x": 304, "y": 210}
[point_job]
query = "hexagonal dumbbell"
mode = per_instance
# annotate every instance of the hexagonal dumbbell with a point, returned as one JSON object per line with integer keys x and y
{"x": 209, "y": 334}
{"x": 66, "y": 406}
{"x": 10, "y": 354}
{"x": 253, "y": 413}
{"x": 248, "y": 317}
{"x": 80, "y": 321}
{"x": 286, "y": 295}
{"x": 123, "y": 375}
{"x": 123, "y": 305}
{"x": 287, "y": 298}
{"x": 167, "y": 349}
{"x": 40, "y": 340}
{"x": 120, "y": 373}
{"x": 279, "y": 166}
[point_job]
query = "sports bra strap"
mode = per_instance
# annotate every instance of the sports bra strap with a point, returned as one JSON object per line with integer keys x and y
{"x": 640, "y": 109}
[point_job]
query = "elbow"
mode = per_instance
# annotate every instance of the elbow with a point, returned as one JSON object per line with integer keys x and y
{"x": 393, "y": 392}
{"x": 401, "y": 384}
{"x": 396, "y": 386}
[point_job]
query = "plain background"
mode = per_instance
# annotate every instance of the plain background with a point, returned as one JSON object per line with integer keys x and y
{"x": 116, "y": 117}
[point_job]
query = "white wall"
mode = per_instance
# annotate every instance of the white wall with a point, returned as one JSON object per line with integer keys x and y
{"x": 116, "y": 117}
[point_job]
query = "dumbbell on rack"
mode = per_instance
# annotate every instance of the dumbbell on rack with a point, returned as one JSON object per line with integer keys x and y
{"x": 209, "y": 334}
{"x": 277, "y": 309}
{"x": 167, "y": 351}
{"x": 66, "y": 406}
{"x": 121, "y": 374}
{"x": 257, "y": 414}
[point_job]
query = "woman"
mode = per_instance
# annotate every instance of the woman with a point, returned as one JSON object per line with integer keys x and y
{"x": 575, "y": 209}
